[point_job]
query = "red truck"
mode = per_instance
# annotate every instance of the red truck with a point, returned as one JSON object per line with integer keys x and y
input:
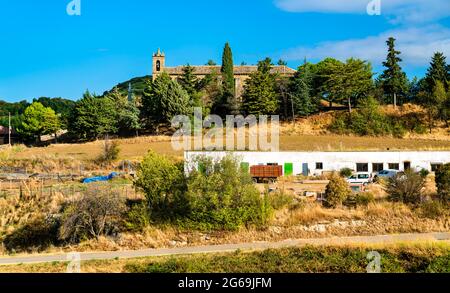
{"x": 269, "y": 173}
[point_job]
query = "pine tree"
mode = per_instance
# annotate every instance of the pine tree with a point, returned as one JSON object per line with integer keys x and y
{"x": 228, "y": 83}
{"x": 164, "y": 99}
{"x": 93, "y": 117}
{"x": 393, "y": 79}
{"x": 438, "y": 71}
{"x": 188, "y": 80}
{"x": 304, "y": 103}
{"x": 260, "y": 91}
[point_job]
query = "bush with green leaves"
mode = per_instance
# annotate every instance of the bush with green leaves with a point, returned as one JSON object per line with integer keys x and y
{"x": 222, "y": 196}
{"x": 406, "y": 187}
{"x": 346, "y": 172}
{"x": 443, "y": 182}
{"x": 337, "y": 191}
{"x": 163, "y": 183}
{"x": 138, "y": 216}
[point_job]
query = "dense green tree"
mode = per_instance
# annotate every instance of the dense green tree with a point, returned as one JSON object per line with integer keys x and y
{"x": 301, "y": 91}
{"x": 323, "y": 71}
{"x": 93, "y": 117}
{"x": 393, "y": 79}
{"x": 164, "y": 99}
{"x": 61, "y": 106}
{"x": 13, "y": 108}
{"x": 437, "y": 102}
{"x": 347, "y": 82}
{"x": 188, "y": 80}
{"x": 211, "y": 63}
{"x": 438, "y": 71}
{"x": 227, "y": 70}
{"x": 260, "y": 91}
{"x": 38, "y": 120}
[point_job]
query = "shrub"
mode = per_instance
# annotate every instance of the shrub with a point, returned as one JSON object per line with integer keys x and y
{"x": 337, "y": 191}
{"x": 38, "y": 234}
{"x": 98, "y": 212}
{"x": 364, "y": 198}
{"x": 424, "y": 173}
{"x": 223, "y": 196}
{"x": 406, "y": 187}
{"x": 110, "y": 152}
{"x": 432, "y": 209}
{"x": 443, "y": 182}
{"x": 346, "y": 172}
{"x": 279, "y": 200}
{"x": 163, "y": 183}
{"x": 398, "y": 130}
{"x": 138, "y": 216}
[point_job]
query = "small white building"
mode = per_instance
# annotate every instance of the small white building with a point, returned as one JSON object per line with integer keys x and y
{"x": 315, "y": 163}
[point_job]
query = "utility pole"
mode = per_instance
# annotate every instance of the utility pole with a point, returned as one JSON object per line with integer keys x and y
{"x": 9, "y": 128}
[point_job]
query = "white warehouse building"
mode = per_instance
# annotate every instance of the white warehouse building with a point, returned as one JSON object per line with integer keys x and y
{"x": 315, "y": 163}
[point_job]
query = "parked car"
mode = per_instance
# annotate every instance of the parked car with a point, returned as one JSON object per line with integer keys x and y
{"x": 360, "y": 178}
{"x": 386, "y": 174}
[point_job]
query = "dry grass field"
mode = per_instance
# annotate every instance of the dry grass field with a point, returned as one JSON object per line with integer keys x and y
{"x": 136, "y": 148}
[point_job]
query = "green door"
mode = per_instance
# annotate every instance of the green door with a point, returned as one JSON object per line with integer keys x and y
{"x": 288, "y": 169}
{"x": 245, "y": 167}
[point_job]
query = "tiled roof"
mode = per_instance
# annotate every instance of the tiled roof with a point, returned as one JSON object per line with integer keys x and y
{"x": 238, "y": 70}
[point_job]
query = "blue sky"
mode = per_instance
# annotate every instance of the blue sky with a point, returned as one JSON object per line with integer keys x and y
{"x": 46, "y": 52}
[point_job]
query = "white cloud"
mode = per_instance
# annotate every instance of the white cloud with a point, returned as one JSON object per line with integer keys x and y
{"x": 416, "y": 44}
{"x": 400, "y": 11}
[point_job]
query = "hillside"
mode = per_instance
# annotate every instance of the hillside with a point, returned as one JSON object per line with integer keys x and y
{"x": 138, "y": 85}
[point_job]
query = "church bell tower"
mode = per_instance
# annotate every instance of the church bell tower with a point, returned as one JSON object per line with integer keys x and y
{"x": 159, "y": 61}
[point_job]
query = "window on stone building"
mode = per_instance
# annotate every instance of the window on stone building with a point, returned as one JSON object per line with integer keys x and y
{"x": 158, "y": 65}
{"x": 435, "y": 166}
{"x": 394, "y": 166}
{"x": 362, "y": 167}
{"x": 377, "y": 167}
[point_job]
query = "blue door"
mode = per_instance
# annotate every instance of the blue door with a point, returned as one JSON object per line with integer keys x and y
{"x": 305, "y": 169}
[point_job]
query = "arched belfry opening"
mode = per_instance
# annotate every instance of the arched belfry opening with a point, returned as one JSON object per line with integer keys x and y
{"x": 158, "y": 63}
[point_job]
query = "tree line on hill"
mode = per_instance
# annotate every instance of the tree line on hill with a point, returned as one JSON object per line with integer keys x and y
{"x": 145, "y": 105}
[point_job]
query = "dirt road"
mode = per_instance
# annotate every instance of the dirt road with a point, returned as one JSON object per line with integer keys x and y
{"x": 354, "y": 240}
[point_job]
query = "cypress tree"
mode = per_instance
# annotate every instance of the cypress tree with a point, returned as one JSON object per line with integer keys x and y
{"x": 227, "y": 70}
{"x": 393, "y": 79}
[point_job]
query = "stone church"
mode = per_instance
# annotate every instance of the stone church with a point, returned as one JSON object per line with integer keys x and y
{"x": 241, "y": 73}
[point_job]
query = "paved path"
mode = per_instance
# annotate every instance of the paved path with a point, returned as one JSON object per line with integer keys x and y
{"x": 380, "y": 239}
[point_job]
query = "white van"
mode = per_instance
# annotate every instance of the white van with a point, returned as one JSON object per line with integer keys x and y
{"x": 360, "y": 178}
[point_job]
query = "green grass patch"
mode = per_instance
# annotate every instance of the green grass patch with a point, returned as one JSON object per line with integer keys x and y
{"x": 307, "y": 259}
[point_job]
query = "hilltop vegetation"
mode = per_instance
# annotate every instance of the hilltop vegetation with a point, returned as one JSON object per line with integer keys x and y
{"x": 349, "y": 87}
